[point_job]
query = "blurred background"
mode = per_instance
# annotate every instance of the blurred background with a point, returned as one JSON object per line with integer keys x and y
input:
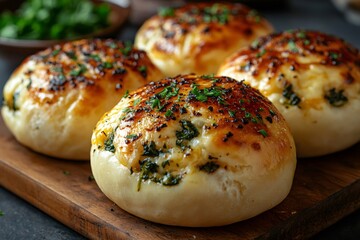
{"x": 337, "y": 17}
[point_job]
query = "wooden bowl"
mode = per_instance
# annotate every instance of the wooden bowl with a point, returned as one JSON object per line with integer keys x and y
{"x": 18, "y": 47}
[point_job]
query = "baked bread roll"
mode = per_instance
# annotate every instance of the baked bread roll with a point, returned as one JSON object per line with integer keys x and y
{"x": 198, "y": 37}
{"x": 313, "y": 79}
{"x": 194, "y": 151}
{"x": 55, "y": 98}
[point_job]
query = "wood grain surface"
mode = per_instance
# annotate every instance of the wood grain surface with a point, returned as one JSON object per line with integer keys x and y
{"x": 325, "y": 190}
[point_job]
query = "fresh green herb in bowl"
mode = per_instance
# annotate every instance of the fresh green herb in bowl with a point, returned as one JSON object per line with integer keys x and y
{"x": 54, "y": 19}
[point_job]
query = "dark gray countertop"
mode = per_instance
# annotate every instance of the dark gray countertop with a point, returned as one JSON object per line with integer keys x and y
{"x": 20, "y": 220}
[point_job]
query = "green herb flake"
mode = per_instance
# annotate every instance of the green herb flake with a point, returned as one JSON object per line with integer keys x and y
{"x": 95, "y": 57}
{"x": 292, "y": 46}
{"x": 55, "y": 52}
{"x": 168, "y": 113}
{"x": 169, "y": 91}
{"x": 166, "y": 12}
{"x": 137, "y": 101}
{"x": 71, "y": 55}
{"x": 231, "y": 113}
{"x": 336, "y": 98}
{"x": 150, "y": 150}
{"x": 261, "y": 53}
{"x": 188, "y": 131}
{"x": 272, "y": 113}
{"x": 147, "y": 170}
{"x": 109, "y": 143}
{"x": 255, "y": 15}
{"x": 306, "y": 42}
{"x": 216, "y": 13}
{"x": 333, "y": 55}
{"x": 1, "y": 213}
{"x": 132, "y": 136}
{"x": 255, "y": 44}
{"x": 66, "y": 173}
{"x": 169, "y": 180}
{"x": 126, "y": 94}
{"x": 301, "y": 34}
{"x": 78, "y": 71}
{"x": 209, "y": 167}
{"x": 165, "y": 163}
{"x": 142, "y": 69}
{"x": 127, "y": 48}
{"x": 263, "y": 133}
{"x": 290, "y": 95}
{"x": 108, "y": 65}
{"x": 154, "y": 103}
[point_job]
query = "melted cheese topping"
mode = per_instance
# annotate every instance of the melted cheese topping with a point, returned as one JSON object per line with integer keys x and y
{"x": 196, "y": 38}
{"x": 313, "y": 79}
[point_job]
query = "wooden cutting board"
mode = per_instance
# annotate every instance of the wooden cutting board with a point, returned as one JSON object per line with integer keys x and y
{"x": 325, "y": 190}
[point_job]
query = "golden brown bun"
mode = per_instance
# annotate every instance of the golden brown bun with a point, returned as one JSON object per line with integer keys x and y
{"x": 313, "y": 79}
{"x": 194, "y": 151}
{"x": 198, "y": 37}
{"x": 55, "y": 98}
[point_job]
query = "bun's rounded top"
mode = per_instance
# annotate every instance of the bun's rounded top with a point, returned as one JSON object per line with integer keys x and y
{"x": 197, "y": 37}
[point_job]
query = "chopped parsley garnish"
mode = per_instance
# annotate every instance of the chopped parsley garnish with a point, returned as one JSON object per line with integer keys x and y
{"x": 306, "y": 42}
{"x": 292, "y": 46}
{"x": 142, "y": 68}
{"x": 165, "y": 163}
{"x": 231, "y": 113}
{"x": 109, "y": 143}
{"x": 132, "y": 136}
{"x": 169, "y": 91}
{"x": 203, "y": 94}
{"x": 95, "y": 57}
{"x": 290, "y": 95}
{"x": 147, "y": 170}
{"x": 126, "y": 94}
{"x": 154, "y": 102}
{"x": 137, "y": 101}
{"x": 333, "y": 55}
{"x": 169, "y": 180}
{"x": 1, "y": 213}
{"x": 55, "y": 52}
{"x": 272, "y": 113}
{"x": 15, "y": 97}
{"x": 263, "y": 132}
{"x": 111, "y": 44}
{"x": 261, "y": 53}
{"x": 301, "y": 34}
{"x": 78, "y": 71}
{"x": 209, "y": 167}
{"x": 255, "y": 44}
{"x": 166, "y": 12}
{"x": 336, "y": 98}
{"x": 150, "y": 150}
{"x": 255, "y": 15}
{"x": 127, "y": 48}
{"x": 66, "y": 173}
{"x": 108, "y": 65}
{"x": 216, "y": 13}
{"x": 71, "y": 55}
{"x": 168, "y": 113}
{"x": 188, "y": 131}
{"x": 208, "y": 77}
